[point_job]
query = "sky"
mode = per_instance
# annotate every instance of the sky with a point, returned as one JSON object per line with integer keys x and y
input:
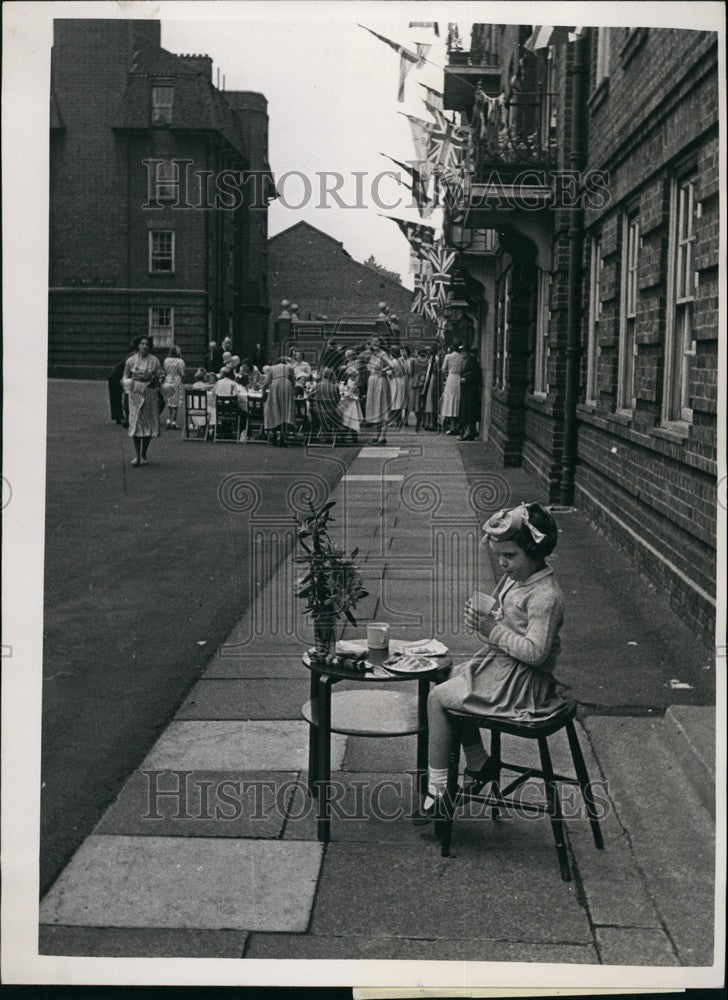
{"x": 332, "y": 103}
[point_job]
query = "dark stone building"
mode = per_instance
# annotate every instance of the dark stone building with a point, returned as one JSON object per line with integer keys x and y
{"x": 596, "y": 162}
{"x": 313, "y": 270}
{"x": 148, "y": 234}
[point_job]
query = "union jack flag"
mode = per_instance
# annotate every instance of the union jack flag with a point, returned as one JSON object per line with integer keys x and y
{"x": 423, "y": 302}
{"x": 447, "y": 143}
{"x": 442, "y": 261}
{"x": 420, "y": 237}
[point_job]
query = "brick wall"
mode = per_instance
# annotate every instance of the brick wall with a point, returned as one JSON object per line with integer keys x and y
{"x": 313, "y": 270}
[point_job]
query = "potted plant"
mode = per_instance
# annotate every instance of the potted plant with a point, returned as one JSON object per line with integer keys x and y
{"x": 332, "y": 585}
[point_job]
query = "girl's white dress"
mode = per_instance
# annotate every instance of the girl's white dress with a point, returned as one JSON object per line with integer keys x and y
{"x": 512, "y": 675}
{"x": 398, "y": 384}
{"x": 349, "y": 407}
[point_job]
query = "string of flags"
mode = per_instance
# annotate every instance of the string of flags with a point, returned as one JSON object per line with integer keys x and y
{"x": 442, "y": 151}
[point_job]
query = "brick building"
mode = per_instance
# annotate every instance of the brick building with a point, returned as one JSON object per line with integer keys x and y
{"x": 314, "y": 271}
{"x": 598, "y": 168}
{"x": 141, "y": 240}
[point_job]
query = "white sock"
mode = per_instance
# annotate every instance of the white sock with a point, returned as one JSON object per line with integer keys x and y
{"x": 436, "y": 784}
{"x": 475, "y": 756}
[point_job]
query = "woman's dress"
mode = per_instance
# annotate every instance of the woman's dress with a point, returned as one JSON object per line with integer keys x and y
{"x": 397, "y": 384}
{"x": 452, "y": 368}
{"x": 417, "y": 382}
{"x": 378, "y": 393}
{"x": 279, "y": 408}
{"x": 512, "y": 675}
{"x": 301, "y": 368}
{"x": 432, "y": 392}
{"x": 349, "y": 408}
{"x": 174, "y": 370}
{"x": 141, "y": 382}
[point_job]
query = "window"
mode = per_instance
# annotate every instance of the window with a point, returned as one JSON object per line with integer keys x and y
{"x": 161, "y": 251}
{"x": 503, "y": 340}
{"x": 679, "y": 343}
{"x": 600, "y": 57}
{"x": 595, "y": 311}
{"x": 162, "y": 101}
{"x": 167, "y": 180}
{"x": 541, "y": 347}
{"x": 161, "y": 325}
{"x": 628, "y": 315}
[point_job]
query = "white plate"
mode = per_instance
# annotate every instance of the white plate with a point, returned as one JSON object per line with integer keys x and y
{"x": 412, "y": 665}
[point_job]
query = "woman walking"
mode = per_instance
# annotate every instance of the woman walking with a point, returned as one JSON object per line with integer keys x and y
{"x": 174, "y": 371}
{"x": 142, "y": 378}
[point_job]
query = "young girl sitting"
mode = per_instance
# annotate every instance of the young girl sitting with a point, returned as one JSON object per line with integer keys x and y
{"x": 512, "y": 675}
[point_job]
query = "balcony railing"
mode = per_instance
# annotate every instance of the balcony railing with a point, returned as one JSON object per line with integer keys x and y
{"x": 521, "y": 131}
{"x": 475, "y": 57}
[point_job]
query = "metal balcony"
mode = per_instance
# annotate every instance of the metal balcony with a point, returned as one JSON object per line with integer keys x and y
{"x": 462, "y": 74}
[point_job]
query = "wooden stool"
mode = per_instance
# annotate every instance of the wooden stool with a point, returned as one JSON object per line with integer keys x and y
{"x": 498, "y": 797}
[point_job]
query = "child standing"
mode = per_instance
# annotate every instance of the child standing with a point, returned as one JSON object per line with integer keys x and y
{"x": 512, "y": 675}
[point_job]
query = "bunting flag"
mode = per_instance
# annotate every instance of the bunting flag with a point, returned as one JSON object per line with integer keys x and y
{"x": 420, "y": 130}
{"x": 424, "y": 202}
{"x": 442, "y": 260}
{"x": 423, "y": 302}
{"x": 426, "y": 24}
{"x": 441, "y": 327}
{"x": 407, "y": 58}
{"x": 419, "y": 237}
{"x": 447, "y": 143}
{"x": 543, "y": 36}
{"x": 434, "y": 97}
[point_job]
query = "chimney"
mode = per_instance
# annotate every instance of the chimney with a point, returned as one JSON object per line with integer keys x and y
{"x": 201, "y": 64}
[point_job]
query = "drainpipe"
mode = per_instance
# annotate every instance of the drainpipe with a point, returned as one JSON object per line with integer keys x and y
{"x": 575, "y": 235}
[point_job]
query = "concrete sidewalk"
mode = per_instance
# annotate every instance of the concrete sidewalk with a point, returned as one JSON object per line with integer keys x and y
{"x": 226, "y": 863}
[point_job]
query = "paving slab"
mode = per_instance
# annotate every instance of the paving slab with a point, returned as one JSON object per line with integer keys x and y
{"x": 412, "y": 892}
{"x": 690, "y": 734}
{"x": 202, "y": 804}
{"x": 206, "y": 884}
{"x": 141, "y": 942}
{"x": 312, "y": 946}
{"x": 255, "y": 666}
{"x": 247, "y": 699}
{"x": 685, "y": 904}
{"x": 237, "y": 745}
{"x": 634, "y": 946}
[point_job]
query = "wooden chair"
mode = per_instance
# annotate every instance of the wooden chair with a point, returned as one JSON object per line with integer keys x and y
{"x": 500, "y": 797}
{"x": 228, "y": 420}
{"x": 255, "y": 431}
{"x": 197, "y": 415}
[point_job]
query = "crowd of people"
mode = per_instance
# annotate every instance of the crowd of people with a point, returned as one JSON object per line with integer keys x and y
{"x": 377, "y": 384}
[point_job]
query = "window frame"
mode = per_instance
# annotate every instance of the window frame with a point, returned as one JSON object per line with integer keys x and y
{"x": 151, "y": 252}
{"x": 541, "y": 341}
{"x": 680, "y": 301}
{"x": 156, "y": 107}
{"x": 593, "y": 350}
{"x": 167, "y": 340}
{"x": 629, "y": 298}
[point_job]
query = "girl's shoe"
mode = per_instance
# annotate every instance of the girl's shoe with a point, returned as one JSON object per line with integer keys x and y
{"x": 135, "y": 462}
{"x": 434, "y": 809}
{"x": 144, "y": 461}
{"x": 169, "y": 425}
{"x": 488, "y": 772}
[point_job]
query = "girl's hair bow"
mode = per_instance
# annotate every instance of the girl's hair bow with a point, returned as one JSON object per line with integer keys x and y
{"x": 507, "y": 523}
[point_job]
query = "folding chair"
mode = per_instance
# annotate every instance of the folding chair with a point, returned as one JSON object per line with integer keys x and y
{"x": 196, "y": 415}
{"x": 227, "y": 420}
